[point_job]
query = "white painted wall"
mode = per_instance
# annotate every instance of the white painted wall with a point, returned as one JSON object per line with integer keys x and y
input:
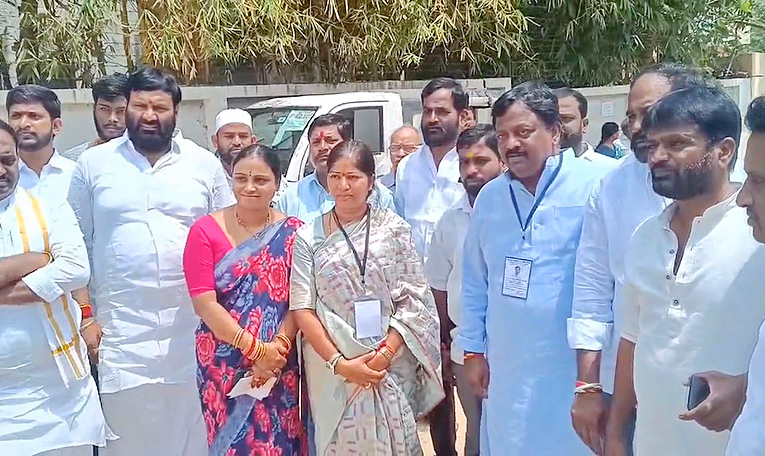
{"x": 201, "y": 104}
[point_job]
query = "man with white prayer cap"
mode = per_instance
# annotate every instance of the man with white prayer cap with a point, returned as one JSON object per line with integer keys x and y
{"x": 233, "y": 132}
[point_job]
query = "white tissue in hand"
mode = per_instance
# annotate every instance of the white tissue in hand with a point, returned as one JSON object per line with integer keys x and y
{"x": 244, "y": 386}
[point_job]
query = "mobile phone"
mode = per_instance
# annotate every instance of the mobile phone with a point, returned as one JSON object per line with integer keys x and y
{"x": 698, "y": 390}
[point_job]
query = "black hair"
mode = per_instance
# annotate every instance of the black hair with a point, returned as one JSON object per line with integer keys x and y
{"x": 710, "y": 109}
{"x": 679, "y": 76}
{"x": 607, "y": 130}
{"x": 460, "y": 98}
{"x": 111, "y": 87}
{"x": 755, "y": 115}
{"x": 357, "y": 151}
{"x": 8, "y": 129}
{"x": 625, "y": 127}
{"x": 536, "y": 96}
{"x": 564, "y": 92}
{"x": 32, "y": 93}
{"x": 328, "y": 120}
{"x": 473, "y": 136}
{"x": 149, "y": 78}
{"x": 265, "y": 153}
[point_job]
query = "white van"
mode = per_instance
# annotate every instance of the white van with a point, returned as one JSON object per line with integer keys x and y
{"x": 282, "y": 124}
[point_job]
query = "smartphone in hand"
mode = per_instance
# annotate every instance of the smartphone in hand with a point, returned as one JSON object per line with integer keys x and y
{"x": 698, "y": 390}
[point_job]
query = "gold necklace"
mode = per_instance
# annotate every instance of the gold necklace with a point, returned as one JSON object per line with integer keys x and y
{"x": 241, "y": 223}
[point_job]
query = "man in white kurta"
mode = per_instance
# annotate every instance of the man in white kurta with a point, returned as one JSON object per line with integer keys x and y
{"x": 616, "y": 207}
{"x": 692, "y": 297}
{"x": 136, "y": 198}
{"x": 427, "y": 184}
{"x": 48, "y": 401}
{"x": 518, "y": 281}
{"x": 702, "y": 318}
{"x": 427, "y": 181}
{"x": 747, "y": 437}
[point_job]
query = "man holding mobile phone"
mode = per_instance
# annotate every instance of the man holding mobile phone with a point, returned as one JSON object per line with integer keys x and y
{"x": 692, "y": 293}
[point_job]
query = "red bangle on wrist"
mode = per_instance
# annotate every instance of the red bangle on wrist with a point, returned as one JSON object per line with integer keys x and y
{"x": 87, "y": 311}
{"x": 384, "y": 344}
{"x": 470, "y": 355}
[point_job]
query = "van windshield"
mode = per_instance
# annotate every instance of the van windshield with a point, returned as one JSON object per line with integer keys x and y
{"x": 281, "y": 128}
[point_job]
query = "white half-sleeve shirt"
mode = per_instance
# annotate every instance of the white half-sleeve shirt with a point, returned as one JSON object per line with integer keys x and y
{"x": 444, "y": 265}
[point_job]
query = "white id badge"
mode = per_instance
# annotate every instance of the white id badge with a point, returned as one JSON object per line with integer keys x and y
{"x": 515, "y": 281}
{"x": 368, "y": 315}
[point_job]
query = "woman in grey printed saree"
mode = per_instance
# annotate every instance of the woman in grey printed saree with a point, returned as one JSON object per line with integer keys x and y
{"x": 372, "y": 359}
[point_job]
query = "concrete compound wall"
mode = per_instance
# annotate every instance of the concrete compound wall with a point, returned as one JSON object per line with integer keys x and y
{"x": 201, "y": 104}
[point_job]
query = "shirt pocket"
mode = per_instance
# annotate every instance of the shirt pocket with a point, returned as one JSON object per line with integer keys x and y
{"x": 568, "y": 227}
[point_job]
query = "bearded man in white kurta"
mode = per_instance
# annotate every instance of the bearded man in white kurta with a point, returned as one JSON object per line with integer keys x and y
{"x": 136, "y": 198}
{"x": 48, "y": 401}
{"x": 692, "y": 293}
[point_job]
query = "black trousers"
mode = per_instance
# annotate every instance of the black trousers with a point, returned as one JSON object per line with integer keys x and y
{"x": 442, "y": 426}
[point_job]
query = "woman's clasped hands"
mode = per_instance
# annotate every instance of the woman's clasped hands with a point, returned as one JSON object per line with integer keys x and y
{"x": 271, "y": 364}
{"x": 366, "y": 370}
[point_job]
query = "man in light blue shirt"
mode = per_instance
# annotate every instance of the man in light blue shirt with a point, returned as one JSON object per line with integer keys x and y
{"x": 518, "y": 274}
{"x": 309, "y": 198}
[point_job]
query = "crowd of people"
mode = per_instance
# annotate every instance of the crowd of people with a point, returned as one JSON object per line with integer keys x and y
{"x": 160, "y": 299}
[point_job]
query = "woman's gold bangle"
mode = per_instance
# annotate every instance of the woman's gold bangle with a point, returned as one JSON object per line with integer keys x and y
{"x": 387, "y": 353}
{"x": 286, "y": 340}
{"x": 257, "y": 353}
{"x": 238, "y": 338}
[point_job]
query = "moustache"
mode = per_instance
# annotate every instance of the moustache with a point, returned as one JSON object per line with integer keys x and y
{"x": 515, "y": 153}
{"x": 662, "y": 171}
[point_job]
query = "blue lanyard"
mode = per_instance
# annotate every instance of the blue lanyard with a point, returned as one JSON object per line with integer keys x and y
{"x": 538, "y": 200}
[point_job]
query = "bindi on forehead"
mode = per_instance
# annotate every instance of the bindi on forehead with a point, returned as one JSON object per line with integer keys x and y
{"x": 326, "y": 135}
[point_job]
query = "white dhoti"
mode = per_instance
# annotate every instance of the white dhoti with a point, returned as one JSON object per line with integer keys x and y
{"x": 155, "y": 420}
{"x": 38, "y": 412}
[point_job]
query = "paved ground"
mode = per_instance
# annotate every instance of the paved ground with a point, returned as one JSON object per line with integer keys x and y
{"x": 424, "y": 431}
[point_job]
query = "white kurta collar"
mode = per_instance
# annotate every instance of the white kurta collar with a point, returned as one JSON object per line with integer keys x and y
{"x": 709, "y": 219}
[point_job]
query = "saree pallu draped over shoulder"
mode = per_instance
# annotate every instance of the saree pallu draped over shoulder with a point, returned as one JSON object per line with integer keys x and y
{"x": 252, "y": 284}
{"x": 380, "y": 420}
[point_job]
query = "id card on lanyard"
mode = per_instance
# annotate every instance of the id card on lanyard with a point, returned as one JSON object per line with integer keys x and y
{"x": 516, "y": 277}
{"x": 367, "y": 309}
